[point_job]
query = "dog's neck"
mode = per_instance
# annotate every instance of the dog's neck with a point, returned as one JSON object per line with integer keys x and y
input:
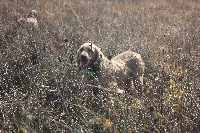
{"x": 95, "y": 67}
{"x": 98, "y": 64}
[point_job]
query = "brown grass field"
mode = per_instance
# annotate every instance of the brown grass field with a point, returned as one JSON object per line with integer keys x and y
{"x": 41, "y": 90}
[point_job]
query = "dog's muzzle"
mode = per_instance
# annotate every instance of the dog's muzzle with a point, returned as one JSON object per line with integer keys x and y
{"x": 83, "y": 61}
{"x": 83, "y": 58}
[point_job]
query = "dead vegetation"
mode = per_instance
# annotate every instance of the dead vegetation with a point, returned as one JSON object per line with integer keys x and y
{"x": 42, "y": 91}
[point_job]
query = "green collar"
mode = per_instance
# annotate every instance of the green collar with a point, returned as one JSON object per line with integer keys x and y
{"x": 90, "y": 73}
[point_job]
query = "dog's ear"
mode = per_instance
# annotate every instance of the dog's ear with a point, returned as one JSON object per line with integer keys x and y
{"x": 97, "y": 54}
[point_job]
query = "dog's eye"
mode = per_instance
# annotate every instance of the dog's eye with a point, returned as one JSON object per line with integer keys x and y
{"x": 81, "y": 50}
{"x": 90, "y": 51}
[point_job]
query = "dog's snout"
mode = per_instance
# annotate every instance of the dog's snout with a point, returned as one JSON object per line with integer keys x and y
{"x": 83, "y": 57}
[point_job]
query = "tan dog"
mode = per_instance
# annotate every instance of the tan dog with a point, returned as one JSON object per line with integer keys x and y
{"x": 30, "y": 21}
{"x": 123, "y": 69}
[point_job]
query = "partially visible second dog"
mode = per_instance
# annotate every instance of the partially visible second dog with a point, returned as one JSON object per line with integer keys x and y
{"x": 30, "y": 21}
{"x": 124, "y": 69}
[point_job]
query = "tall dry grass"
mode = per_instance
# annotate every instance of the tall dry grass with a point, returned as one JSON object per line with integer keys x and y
{"x": 42, "y": 91}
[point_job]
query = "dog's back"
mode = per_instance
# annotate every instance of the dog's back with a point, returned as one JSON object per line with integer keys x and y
{"x": 133, "y": 61}
{"x": 134, "y": 67}
{"x": 123, "y": 55}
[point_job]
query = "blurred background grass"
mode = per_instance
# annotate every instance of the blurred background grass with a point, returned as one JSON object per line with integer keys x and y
{"x": 41, "y": 90}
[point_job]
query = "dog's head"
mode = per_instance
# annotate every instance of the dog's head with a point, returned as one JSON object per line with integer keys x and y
{"x": 32, "y": 14}
{"x": 88, "y": 55}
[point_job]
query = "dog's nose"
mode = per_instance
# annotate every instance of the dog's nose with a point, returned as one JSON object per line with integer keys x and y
{"x": 83, "y": 57}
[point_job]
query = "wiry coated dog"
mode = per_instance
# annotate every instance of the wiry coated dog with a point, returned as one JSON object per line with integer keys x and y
{"x": 124, "y": 68}
{"x": 30, "y": 21}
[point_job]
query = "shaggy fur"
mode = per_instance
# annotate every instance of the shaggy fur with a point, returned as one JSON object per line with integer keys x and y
{"x": 30, "y": 21}
{"x": 124, "y": 68}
